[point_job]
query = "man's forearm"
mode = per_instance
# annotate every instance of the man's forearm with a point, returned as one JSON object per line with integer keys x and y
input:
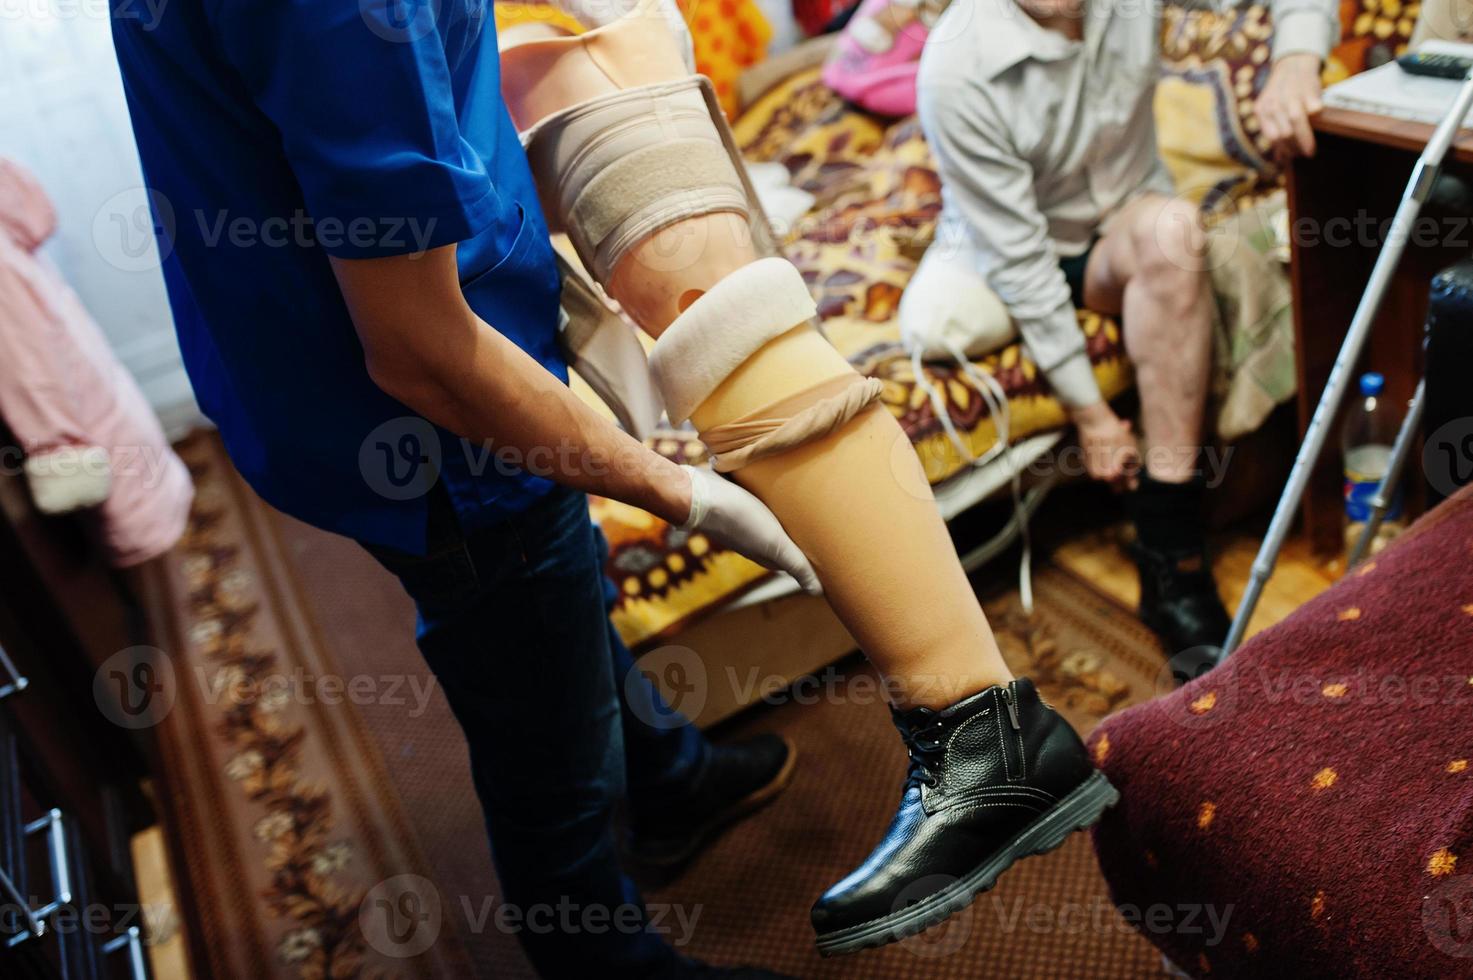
{"x": 425, "y": 346}
{"x": 499, "y": 396}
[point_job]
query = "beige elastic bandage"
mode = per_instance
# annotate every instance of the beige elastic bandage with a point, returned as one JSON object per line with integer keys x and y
{"x": 791, "y": 422}
{"x": 614, "y": 170}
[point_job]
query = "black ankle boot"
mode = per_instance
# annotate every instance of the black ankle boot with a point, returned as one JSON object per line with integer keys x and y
{"x": 1179, "y": 602}
{"x": 992, "y": 779}
{"x": 735, "y": 780}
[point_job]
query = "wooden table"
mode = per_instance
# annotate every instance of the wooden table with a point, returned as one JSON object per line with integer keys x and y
{"x": 1340, "y": 202}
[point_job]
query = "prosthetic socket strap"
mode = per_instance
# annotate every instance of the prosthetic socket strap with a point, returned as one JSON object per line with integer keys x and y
{"x": 723, "y": 328}
{"x": 791, "y": 422}
{"x": 605, "y": 352}
{"x": 614, "y": 170}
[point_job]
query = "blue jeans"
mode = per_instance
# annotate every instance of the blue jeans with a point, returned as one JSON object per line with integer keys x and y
{"x": 513, "y": 620}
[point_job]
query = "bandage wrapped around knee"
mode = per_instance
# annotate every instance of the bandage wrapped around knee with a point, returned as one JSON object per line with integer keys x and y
{"x": 720, "y": 334}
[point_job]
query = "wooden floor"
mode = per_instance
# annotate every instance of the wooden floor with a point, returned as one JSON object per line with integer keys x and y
{"x": 1099, "y": 557}
{"x": 167, "y": 959}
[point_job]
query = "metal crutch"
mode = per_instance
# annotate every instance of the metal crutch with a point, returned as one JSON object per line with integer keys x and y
{"x": 1386, "y": 489}
{"x": 1424, "y": 175}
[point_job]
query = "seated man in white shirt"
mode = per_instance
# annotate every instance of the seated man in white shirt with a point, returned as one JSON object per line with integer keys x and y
{"x": 1039, "y": 113}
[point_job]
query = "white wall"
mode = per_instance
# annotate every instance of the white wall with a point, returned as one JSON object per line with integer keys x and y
{"x": 63, "y": 116}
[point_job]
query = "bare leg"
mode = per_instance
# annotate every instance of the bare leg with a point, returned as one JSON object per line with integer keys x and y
{"x": 1149, "y": 269}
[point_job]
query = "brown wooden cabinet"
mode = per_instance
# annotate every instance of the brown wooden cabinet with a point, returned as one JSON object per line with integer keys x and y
{"x": 1340, "y": 204}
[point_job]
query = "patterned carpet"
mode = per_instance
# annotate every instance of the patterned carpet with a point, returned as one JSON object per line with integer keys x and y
{"x": 1048, "y": 917}
{"x": 388, "y": 782}
{"x": 280, "y": 813}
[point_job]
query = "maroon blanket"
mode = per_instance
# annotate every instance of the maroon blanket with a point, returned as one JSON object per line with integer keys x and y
{"x": 1307, "y": 808}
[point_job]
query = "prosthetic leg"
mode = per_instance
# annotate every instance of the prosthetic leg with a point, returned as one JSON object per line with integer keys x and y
{"x": 634, "y": 161}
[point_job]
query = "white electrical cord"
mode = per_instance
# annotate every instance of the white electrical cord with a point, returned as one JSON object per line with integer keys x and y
{"x": 991, "y": 392}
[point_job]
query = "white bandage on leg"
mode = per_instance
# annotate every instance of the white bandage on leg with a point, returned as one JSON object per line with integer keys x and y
{"x": 727, "y": 325}
{"x": 723, "y": 330}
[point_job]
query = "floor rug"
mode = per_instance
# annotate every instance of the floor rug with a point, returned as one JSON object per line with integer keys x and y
{"x": 1049, "y": 916}
{"x": 280, "y": 813}
{"x": 746, "y": 899}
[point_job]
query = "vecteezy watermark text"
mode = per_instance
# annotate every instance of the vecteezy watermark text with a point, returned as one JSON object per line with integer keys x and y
{"x": 148, "y": 13}
{"x": 137, "y": 688}
{"x": 301, "y": 230}
{"x": 402, "y": 916}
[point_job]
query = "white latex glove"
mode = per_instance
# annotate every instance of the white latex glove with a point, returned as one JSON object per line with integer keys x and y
{"x": 732, "y": 516}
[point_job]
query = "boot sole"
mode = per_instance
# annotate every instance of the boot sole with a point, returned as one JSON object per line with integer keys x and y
{"x": 1080, "y": 810}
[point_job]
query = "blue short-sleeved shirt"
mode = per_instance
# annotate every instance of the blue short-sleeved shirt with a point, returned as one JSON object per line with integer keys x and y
{"x": 275, "y": 133}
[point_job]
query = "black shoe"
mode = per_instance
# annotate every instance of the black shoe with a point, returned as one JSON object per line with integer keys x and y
{"x": 992, "y": 779}
{"x": 1179, "y": 602}
{"x": 734, "y": 780}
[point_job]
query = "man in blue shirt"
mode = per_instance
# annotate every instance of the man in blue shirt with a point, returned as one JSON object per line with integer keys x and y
{"x": 367, "y": 304}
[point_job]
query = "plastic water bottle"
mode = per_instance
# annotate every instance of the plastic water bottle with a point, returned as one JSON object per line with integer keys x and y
{"x": 1370, "y": 430}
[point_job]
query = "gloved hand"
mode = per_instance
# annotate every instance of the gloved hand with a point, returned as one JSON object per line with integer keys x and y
{"x": 735, "y": 518}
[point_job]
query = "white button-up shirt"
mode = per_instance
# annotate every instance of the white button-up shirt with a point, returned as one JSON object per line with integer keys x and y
{"x": 1039, "y": 139}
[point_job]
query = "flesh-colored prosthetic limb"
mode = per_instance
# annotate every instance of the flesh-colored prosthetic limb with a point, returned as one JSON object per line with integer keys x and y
{"x": 613, "y": 118}
{"x": 635, "y": 163}
{"x": 658, "y": 204}
{"x": 845, "y": 483}
{"x": 604, "y": 351}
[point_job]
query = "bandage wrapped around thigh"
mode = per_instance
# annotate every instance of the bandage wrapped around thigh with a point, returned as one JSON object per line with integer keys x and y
{"x": 745, "y": 363}
{"x": 648, "y": 185}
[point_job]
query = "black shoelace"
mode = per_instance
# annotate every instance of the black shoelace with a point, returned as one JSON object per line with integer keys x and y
{"x": 923, "y": 743}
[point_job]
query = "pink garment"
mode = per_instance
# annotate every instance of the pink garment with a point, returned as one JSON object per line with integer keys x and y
{"x": 88, "y": 434}
{"x": 875, "y": 59}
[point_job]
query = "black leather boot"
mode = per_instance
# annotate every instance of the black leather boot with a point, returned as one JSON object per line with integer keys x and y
{"x": 1179, "y": 602}
{"x": 992, "y": 779}
{"x": 735, "y": 780}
